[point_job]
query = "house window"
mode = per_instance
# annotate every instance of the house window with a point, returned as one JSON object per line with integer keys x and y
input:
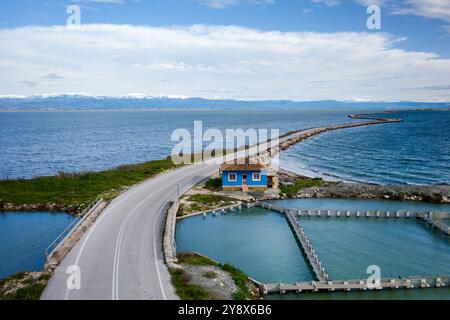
{"x": 257, "y": 177}
{"x": 232, "y": 177}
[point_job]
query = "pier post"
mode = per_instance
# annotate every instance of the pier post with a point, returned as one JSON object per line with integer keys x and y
{"x": 357, "y": 214}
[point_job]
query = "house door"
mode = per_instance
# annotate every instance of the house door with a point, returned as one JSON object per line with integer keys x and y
{"x": 244, "y": 179}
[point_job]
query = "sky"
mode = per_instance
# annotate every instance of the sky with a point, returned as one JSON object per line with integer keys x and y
{"x": 227, "y": 49}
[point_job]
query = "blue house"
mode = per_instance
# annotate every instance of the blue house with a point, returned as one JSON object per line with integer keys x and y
{"x": 244, "y": 177}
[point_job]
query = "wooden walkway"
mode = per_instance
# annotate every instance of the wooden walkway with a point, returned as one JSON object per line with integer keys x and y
{"x": 324, "y": 283}
{"x": 349, "y": 285}
{"x": 404, "y": 214}
{"x": 311, "y": 255}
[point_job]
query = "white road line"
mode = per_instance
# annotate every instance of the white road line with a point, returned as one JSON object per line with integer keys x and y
{"x": 117, "y": 202}
{"x": 115, "y": 278}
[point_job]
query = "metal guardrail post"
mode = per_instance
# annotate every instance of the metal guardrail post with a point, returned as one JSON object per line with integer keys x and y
{"x": 72, "y": 226}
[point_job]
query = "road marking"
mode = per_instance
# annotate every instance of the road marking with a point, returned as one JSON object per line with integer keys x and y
{"x": 158, "y": 273}
{"x": 115, "y": 277}
{"x": 118, "y": 201}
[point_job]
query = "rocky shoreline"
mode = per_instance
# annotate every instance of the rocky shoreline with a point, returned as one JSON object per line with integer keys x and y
{"x": 340, "y": 190}
{"x": 53, "y": 207}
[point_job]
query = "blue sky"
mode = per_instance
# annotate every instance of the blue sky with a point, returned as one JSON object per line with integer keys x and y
{"x": 418, "y": 30}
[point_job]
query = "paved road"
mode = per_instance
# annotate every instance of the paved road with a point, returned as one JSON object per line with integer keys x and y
{"x": 121, "y": 257}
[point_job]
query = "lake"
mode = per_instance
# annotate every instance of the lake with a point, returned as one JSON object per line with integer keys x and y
{"x": 261, "y": 243}
{"x": 24, "y": 236}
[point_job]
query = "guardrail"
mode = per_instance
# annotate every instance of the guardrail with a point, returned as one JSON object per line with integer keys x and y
{"x": 73, "y": 226}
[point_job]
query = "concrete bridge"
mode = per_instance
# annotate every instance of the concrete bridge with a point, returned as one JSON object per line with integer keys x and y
{"x": 362, "y": 285}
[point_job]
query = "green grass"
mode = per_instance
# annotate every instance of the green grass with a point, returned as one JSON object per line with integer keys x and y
{"x": 185, "y": 289}
{"x": 32, "y": 288}
{"x": 292, "y": 190}
{"x": 214, "y": 184}
{"x": 238, "y": 276}
{"x": 77, "y": 190}
{"x": 240, "y": 279}
{"x": 203, "y": 202}
{"x": 209, "y": 199}
{"x": 195, "y": 260}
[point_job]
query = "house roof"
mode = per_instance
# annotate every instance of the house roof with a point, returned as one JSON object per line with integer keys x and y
{"x": 247, "y": 166}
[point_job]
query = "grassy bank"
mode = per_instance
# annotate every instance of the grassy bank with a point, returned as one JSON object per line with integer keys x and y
{"x": 77, "y": 190}
{"x": 291, "y": 190}
{"x": 24, "y": 286}
{"x": 191, "y": 291}
{"x": 202, "y": 202}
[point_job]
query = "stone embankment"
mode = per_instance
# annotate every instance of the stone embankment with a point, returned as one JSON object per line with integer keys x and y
{"x": 41, "y": 207}
{"x": 433, "y": 194}
{"x": 302, "y": 135}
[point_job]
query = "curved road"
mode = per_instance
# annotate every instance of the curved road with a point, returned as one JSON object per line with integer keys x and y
{"x": 120, "y": 257}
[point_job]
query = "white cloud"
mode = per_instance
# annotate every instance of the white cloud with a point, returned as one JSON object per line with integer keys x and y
{"x": 437, "y": 9}
{"x": 221, "y": 4}
{"x": 211, "y": 61}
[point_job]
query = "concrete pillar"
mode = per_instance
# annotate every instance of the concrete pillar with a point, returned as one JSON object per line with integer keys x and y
{"x": 348, "y": 213}
{"x": 397, "y": 214}
{"x": 367, "y": 213}
{"x": 407, "y": 214}
{"x": 378, "y": 214}
{"x": 318, "y": 213}
{"x": 338, "y": 213}
{"x": 328, "y": 213}
{"x": 357, "y": 214}
{"x": 387, "y": 214}
{"x": 299, "y": 213}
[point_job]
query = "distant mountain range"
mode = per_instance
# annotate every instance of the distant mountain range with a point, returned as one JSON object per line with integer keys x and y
{"x": 85, "y": 102}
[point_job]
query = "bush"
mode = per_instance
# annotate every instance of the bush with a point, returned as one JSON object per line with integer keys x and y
{"x": 214, "y": 184}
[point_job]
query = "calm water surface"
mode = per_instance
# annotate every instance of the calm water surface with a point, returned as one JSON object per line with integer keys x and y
{"x": 24, "y": 236}
{"x": 43, "y": 143}
{"x": 260, "y": 242}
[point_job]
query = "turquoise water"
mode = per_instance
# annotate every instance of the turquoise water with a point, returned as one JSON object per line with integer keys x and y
{"x": 360, "y": 204}
{"x": 260, "y": 242}
{"x": 24, "y": 236}
{"x": 399, "y": 247}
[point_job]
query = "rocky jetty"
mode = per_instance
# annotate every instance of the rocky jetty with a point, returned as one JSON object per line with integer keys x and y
{"x": 434, "y": 194}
